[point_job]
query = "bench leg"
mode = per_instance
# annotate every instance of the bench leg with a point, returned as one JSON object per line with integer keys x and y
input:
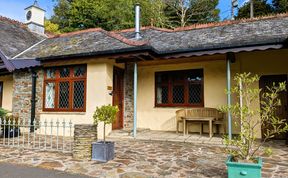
{"x": 184, "y": 127}
{"x": 177, "y": 127}
{"x": 210, "y": 129}
{"x": 201, "y": 128}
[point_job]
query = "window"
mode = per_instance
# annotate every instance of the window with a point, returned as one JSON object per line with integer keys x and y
{"x": 65, "y": 88}
{"x": 179, "y": 88}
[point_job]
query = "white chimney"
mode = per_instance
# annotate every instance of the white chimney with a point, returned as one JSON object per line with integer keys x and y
{"x": 35, "y": 18}
{"x": 137, "y": 22}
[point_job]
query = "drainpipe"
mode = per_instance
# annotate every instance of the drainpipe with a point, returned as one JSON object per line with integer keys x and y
{"x": 135, "y": 101}
{"x": 33, "y": 99}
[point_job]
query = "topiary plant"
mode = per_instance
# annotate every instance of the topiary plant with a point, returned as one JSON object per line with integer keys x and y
{"x": 105, "y": 114}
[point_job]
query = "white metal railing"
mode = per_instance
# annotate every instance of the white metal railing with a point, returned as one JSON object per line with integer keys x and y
{"x": 54, "y": 136}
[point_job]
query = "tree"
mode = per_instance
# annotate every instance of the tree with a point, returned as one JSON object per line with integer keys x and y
{"x": 72, "y": 15}
{"x": 261, "y": 8}
{"x": 51, "y": 27}
{"x": 280, "y": 6}
{"x": 187, "y": 12}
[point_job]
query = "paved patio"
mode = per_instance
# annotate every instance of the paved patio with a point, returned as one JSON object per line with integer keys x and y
{"x": 143, "y": 159}
{"x": 150, "y": 135}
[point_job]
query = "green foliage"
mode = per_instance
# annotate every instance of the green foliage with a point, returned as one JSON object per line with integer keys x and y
{"x": 245, "y": 145}
{"x": 280, "y": 6}
{"x": 72, "y": 15}
{"x": 105, "y": 114}
{"x": 51, "y": 27}
{"x": 261, "y": 8}
{"x": 3, "y": 113}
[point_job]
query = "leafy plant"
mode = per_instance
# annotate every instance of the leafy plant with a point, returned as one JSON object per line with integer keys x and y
{"x": 245, "y": 146}
{"x": 3, "y": 113}
{"x": 105, "y": 114}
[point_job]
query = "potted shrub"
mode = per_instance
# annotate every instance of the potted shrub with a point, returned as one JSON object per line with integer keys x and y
{"x": 244, "y": 149}
{"x": 103, "y": 151}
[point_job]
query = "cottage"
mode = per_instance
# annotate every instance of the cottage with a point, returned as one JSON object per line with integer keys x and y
{"x": 148, "y": 74}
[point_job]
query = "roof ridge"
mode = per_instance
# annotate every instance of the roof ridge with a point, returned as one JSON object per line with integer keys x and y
{"x": 111, "y": 34}
{"x": 16, "y": 22}
{"x": 75, "y": 32}
{"x": 208, "y": 25}
{"x": 124, "y": 39}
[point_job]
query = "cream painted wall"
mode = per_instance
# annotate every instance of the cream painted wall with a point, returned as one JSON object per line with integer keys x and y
{"x": 163, "y": 118}
{"x": 99, "y": 76}
{"x": 7, "y": 91}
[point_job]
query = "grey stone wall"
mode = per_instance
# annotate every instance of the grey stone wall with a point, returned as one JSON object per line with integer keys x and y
{"x": 128, "y": 96}
{"x": 84, "y": 135}
{"x": 22, "y": 91}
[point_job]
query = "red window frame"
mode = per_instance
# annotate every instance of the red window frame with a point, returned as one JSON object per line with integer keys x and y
{"x": 71, "y": 79}
{"x": 182, "y": 82}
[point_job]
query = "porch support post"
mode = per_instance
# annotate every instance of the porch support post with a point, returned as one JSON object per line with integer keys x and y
{"x": 228, "y": 73}
{"x": 135, "y": 101}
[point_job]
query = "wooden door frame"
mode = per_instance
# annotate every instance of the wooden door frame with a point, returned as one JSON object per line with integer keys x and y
{"x": 261, "y": 86}
{"x": 121, "y": 71}
{"x": 1, "y": 93}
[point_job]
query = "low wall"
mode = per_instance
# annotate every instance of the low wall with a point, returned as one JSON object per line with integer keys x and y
{"x": 84, "y": 135}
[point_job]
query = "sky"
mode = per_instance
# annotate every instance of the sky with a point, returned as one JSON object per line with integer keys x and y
{"x": 14, "y": 9}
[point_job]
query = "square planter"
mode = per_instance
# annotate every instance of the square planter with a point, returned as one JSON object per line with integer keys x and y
{"x": 102, "y": 151}
{"x": 243, "y": 170}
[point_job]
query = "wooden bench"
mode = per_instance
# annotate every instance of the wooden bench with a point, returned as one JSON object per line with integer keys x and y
{"x": 211, "y": 116}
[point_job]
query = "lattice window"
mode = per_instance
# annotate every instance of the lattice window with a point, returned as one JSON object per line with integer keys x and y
{"x": 65, "y": 88}
{"x": 78, "y": 94}
{"x": 179, "y": 88}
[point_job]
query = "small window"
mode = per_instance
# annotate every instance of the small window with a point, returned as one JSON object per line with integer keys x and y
{"x": 65, "y": 88}
{"x": 179, "y": 88}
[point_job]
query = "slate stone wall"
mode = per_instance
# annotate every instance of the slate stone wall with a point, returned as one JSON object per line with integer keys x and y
{"x": 128, "y": 96}
{"x": 22, "y": 91}
{"x": 84, "y": 135}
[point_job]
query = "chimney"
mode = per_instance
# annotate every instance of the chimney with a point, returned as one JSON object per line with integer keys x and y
{"x": 137, "y": 22}
{"x": 35, "y": 18}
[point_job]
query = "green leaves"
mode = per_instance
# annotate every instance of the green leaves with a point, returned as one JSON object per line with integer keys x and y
{"x": 245, "y": 145}
{"x": 106, "y": 114}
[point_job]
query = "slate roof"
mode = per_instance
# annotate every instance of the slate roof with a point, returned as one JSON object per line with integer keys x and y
{"x": 84, "y": 42}
{"x": 216, "y": 36}
{"x": 15, "y": 37}
{"x": 203, "y": 37}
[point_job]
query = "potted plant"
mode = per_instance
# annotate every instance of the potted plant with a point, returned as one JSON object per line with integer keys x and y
{"x": 244, "y": 149}
{"x": 103, "y": 151}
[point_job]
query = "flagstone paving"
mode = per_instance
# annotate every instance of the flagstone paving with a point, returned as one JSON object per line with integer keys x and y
{"x": 145, "y": 159}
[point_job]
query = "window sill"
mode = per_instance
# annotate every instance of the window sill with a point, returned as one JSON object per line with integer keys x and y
{"x": 63, "y": 113}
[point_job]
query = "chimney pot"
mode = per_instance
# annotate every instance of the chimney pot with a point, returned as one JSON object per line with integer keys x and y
{"x": 137, "y": 21}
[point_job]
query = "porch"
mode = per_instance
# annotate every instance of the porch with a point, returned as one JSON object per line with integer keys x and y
{"x": 167, "y": 136}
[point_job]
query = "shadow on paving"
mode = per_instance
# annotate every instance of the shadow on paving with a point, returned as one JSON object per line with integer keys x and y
{"x": 19, "y": 171}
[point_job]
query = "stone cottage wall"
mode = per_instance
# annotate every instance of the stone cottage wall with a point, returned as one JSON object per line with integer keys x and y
{"x": 128, "y": 96}
{"x": 22, "y": 91}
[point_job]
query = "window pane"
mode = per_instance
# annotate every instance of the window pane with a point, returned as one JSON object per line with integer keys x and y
{"x": 64, "y": 95}
{"x": 195, "y": 94}
{"x": 162, "y": 95}
{"x": 50, "y": 73}
{"x": 64, "y": 72}
{"x": 50, "y": 95}
{"x": 178, "y": 94}
{"x": 162, "y": 78}
{"x": 79, "y": 71}
{"x": 195, "y": 76}
{"x": 78, "y": 94}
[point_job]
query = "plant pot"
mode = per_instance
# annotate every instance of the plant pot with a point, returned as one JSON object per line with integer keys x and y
{"x": 11, "y": 132}
{"x": 241, "y": 170}
{"x": 102, "y": 151}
